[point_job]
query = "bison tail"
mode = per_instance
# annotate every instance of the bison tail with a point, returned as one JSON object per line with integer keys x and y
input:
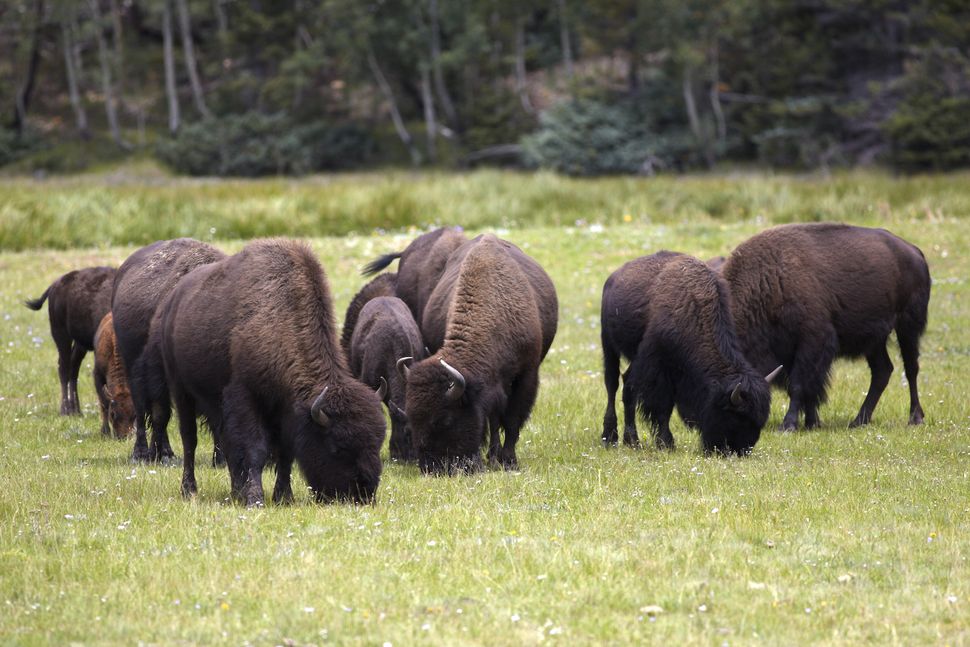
{"x": 36, "y": 304}
{"x": 379, "y": 263}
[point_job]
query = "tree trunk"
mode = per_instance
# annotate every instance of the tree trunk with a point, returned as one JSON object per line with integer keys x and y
{"x": 439, "y": 78}
{"x": 567, "y": 52}
{"x": 171, "y": 92}
{"x": 70, "y": 54}
{"x": 118, "y": 45}
{"x": 185, "y": 26}
{"x": 521, "y": 82}
{"x": 110, "y": 105}
{"x": 222, "y": 28}
{"x": 430, "y": 123}
{"x": 26, "y": 91}
{"x": 692, "y": 117}
{"x": 716, "y": 99}
{"x": 385, "y": 88}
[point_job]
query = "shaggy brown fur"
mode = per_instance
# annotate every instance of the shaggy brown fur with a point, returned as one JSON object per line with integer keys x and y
{"x": 420, "y": 267}
{"x": 111, "y": 383}
{"x": 687, "y": 354}
{"x": 76, "y": 303}
{"x": 142, "y": 283}
{"x": 386, "y": 332}
{"x": 494, "y": 337}
{"x": 382, "y": 285}
{"x": 805, "y": 294}
{"x": 250, "y": 343}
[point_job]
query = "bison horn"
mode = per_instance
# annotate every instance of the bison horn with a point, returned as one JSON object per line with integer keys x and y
{"x": 736, "y": 398}
{"x": 771, "y": 376}
{"x": 316, "y": 409}
{"x": 402, "y": 366}
{"x": 457, "y": 387}
{"x": 382, "y": 389}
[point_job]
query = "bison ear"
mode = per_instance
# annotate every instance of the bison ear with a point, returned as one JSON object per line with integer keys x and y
{"x": 771, "y": 376}
{"x": 316, "y": 410}
{"x": 382, "y": 389}
{"x": 402, "y": 366}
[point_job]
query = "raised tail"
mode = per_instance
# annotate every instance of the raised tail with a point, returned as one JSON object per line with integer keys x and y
{"x": 379, "y": 263}
{"x": 37, "y": 303}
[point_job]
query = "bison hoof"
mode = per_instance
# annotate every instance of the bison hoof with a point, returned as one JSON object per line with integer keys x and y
{"x": 169, "y": 460}
{"x": 141, "y": 455}
{"x": 189, "y": 491}
{"x": 283, "y": 498}
{"x": 858, "y": 422}
{"x": 916, "y": 418}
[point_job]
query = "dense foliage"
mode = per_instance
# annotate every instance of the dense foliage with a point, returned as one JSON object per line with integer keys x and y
{"x": 300, "y": 87}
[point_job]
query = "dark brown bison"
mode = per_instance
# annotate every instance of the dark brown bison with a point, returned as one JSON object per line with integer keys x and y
{"x": 142, "y": 283}
{"x": 805, "y": 294}
{"x": 111, "y": 383}
{"x": 382, "y": 285}
{"x": 670, "y": 315}
{"x": 250, "y": 343}
{"x": 386, "y": 332}
{"x": 485, "y": 374}
{"x": 76, "y": 302}
{"x": 420, "y": 267}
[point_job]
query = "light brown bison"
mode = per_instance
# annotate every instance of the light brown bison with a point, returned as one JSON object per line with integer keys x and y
{"x": 111, "y": 383}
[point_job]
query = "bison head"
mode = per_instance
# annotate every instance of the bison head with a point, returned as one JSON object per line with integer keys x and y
{"x": 121, "y": 411}
{"x": 337, "y": 442}
{"x": 446, "y": 412}
{"x": 732, "y": 421}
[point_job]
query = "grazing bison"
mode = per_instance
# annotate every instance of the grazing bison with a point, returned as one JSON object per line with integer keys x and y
{"x": 111, "y": 383}
{"x": 142, "y": 283}
{"x": 420, "y": 267}
{"x": 76, "y": 302}
{"x": 805, "y": 294}
{"x": 250, "y": 343}
{"x": 670, "y": 315}
{"x": 382, "y": 285}
{"x": 485, "y": 373}
{"x": 385, "y": 332}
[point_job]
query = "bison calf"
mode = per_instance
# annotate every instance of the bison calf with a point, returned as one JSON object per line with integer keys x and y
{"x": 111, "y": 383}
{"x": 804, "y": 294}
{"x": 76, "y": 302}
{"x": 669, "y": 314}
{"x": 250, "y": 343}
{"x": 386, "y": 332}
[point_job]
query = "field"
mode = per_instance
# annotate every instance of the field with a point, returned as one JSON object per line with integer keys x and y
{"x": 834, "y": 536}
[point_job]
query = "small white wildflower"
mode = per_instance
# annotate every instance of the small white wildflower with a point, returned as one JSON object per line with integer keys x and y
{"x": 515, "y": 617}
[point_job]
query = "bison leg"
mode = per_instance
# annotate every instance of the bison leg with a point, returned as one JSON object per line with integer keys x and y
{"x": 630, "y": 436}
{"x": 909, "y": 349}
{"x": 283, "y": 490}
{"x": 64, "y": 345}
{"x": 245, "y": 443}
{"x": 400, "y": 444}
{"x": 521, "y": 399}
{"x": 188, "y": 430}
{"x": 77, "y": 357}
{"x": 161, "y": 448}
{"x": 103, "y": 403}
{"x": 881, "y": 368}
{"x": 808, "y": 377}
{"x": 611, "y": 379}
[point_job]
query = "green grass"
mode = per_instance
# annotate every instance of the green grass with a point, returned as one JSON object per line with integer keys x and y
{"x": 835, "y": 536}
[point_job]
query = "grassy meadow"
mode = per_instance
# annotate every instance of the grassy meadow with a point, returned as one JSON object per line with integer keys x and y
{"x": 834, "y": 536}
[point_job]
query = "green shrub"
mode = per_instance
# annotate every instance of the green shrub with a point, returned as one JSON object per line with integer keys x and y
{"x": 254, "y": 144}
{"x": 14, "y": 145}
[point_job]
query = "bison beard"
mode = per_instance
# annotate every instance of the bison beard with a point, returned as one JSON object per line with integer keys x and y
{"x": 76, "y": 303}
{"x": 250, "y": 343}
{"x": 491, "y": 318}
{"x": 670, "y": 315}
{"x": 806, "y": 294}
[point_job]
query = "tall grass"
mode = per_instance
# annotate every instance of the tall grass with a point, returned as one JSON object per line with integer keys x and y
{"x": 117, "y": 209}
{"x": 835, "y": 536}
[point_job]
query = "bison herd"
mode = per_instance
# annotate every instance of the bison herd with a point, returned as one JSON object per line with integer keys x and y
{"x": 452, "y": 342}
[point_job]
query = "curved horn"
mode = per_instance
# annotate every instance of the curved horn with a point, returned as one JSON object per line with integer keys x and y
{"x": 771, "y": 376}
{"x": 736, "y": 398}
{"x": 316, "y": 409}
{"x": 382, "y": 389}
{"x": 457, "y": 387}
{"x": 402, "y": 366}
